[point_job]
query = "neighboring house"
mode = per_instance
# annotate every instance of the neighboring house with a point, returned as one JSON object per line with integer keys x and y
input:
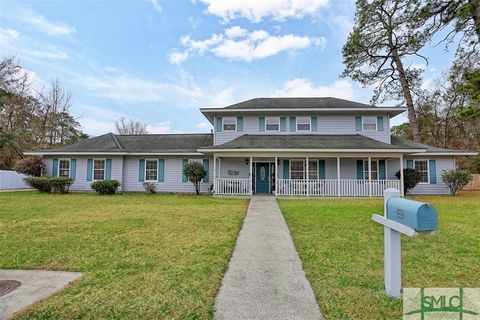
{"x": 284, "y": 146}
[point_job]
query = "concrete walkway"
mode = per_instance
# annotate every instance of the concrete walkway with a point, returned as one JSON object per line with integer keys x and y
{"x": 265, "y": 279}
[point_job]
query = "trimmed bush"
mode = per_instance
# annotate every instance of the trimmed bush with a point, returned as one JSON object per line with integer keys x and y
{"x": 411, "y": 178}
{"x": 31, "y": 166}
{"x": 456, "y": 179}
{"x": 150, "y": 187}
{"x": 105, "y": 186}
{"x": 50, "y": 184}
{"x": 194, "y": 172}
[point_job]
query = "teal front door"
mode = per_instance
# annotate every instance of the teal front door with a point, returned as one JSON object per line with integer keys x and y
{"x": 262, "y": 178}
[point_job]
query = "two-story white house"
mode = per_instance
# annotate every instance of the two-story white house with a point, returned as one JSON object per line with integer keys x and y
{"x": 283, "y": 146}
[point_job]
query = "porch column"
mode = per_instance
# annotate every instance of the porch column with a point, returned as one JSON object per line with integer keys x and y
{"x": 251, "y": 180}
{"x": 338, "y": 176}
{"x": 401, "y": 176}
{"x": 214, "y": 174}
{"x": 276, "y": 175}
{"x": 370, "y": 176}
{"x": 306, "y": 175}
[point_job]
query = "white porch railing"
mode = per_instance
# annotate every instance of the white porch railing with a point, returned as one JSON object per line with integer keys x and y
{"x": 229, "y": 186}
{"x": 334, "y": 187}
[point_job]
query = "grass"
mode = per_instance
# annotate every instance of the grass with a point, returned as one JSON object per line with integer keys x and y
{"x": 342, "y": 252}
{"x": 143, "y": 256}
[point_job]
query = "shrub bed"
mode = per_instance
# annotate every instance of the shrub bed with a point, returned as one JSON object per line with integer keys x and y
{"x": 50, "y": 184}
{"x": 105, "y": 186}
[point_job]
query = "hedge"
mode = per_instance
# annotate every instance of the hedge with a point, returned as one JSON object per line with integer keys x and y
{"x": 50, "y": 184}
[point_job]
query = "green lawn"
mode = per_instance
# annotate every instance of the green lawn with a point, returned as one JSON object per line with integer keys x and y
{"x": 143, "y": 256}
{"x": 342, "y": 252}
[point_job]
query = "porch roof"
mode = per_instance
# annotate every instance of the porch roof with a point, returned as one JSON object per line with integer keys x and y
{"x": 308, "y": 142}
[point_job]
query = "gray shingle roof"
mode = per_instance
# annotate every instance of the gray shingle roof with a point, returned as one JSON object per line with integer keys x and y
{"x": 298, "y": 103}
{"x": 147, "y": 143}
{"x": 405, "y": 143}
{"x": 305, "y": 141}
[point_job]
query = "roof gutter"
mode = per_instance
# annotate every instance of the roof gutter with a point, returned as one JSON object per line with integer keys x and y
{"x": 39, "y": 153}
{"x": 317, "y": 150}
{"x": 452, "y": 153}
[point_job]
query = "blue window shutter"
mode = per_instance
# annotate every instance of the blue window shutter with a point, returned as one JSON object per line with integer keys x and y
{"x": 286, "y": 169}
{"x": 432, "y": 171}
{"x": 293, "y": 124}
{"x": 283, "y": 124}
{"x": 410, "y": 164}
{"x": 218, "y": 124}
{"x": 108, "y": 169}
{"x": 240, "y": 124}
{"x": 89, "y": 169}
{"x": 379, "y": 123}
{"x": 360, "y": 169}
{"x": 314, "y": 123}
{"x": 321, "y": 169}
{"x": 261, "y": 124}
{"x": 358, "y": 123}
{"x": 55, "y": 168}
{"x": 205, "y": 166}
{"x": 141, "y": 170}
{"x": 381, "y": 170}
{"x": 161, "y": 170}
{"x": 184, "y": 162}
{"x": 73, "y": 168}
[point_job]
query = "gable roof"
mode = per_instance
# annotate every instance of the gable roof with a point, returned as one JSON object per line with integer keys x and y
{"x": 136, "y": 144}
{"x": 308, "y": 142}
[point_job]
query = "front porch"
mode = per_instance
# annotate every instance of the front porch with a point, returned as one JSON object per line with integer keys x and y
{"x": 287, "y": 176}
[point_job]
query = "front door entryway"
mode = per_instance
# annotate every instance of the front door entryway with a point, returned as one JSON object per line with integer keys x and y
{"x": 262, "y": 177}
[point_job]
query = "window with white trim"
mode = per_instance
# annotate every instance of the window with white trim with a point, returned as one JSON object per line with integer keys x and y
{"x": 151, "y": 170}
{"x": 422, "y": 167}
{"x": 297, "y": 169}
{"x": 272, "y": 124}
{"x": 312, "y": 169}
{"x": 303, "y": 123}
{"x": 229, "y": 124}
{"x": 369, "y": 123}
{"x": 64, "y": 167}
{"x": 98, "y": 169}
{"x": 374, "y": 169}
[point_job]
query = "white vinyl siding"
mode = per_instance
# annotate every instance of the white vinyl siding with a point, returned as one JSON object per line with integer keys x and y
{"x": 64, "y": 168}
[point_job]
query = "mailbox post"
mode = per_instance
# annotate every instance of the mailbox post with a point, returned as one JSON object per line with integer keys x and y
{"x": 401, "y": 216}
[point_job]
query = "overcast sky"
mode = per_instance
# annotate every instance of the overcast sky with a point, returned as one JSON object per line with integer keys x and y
{"x": 159, "y": 61}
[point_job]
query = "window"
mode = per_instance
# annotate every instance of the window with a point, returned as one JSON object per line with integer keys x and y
{"x": 374, "y": 169}
{"x": 422, "y": 167}
{"x": 98, "y": 169}
{"x": 297, "y": 169}
{"x": 312, "y": 169}
{"x": 151, "y": 170}
{"x": 64, "y": 168}
{"x": 272, "y": 124}
{"x": 303, "y": 124}
{"x": 369, "y": 123}
{"x": 229, "y": 124}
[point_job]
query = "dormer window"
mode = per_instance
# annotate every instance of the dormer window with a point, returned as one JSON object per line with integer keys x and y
{"x": 303, "y": 123}
{"x": 229, "y": 124}
{"x": 272, "y": 124}
{"x": 369, "y": 123}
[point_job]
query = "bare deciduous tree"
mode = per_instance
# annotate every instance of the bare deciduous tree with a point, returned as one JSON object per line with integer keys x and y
{"x": 130, "y": 126}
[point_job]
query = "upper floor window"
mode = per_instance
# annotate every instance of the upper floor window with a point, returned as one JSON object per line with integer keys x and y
{"x": 272, "y": 124}
{"x": 98, "y": 169}
{"x": 374, "y": 169}
{"x": 369, "y": 123}
{"x": 151, "y": 170}
{"x": 64, "y": 167}
{"x": 303, "y": 123}
{"x": 229, "y": 124}
{"x": 422, "y": 167}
